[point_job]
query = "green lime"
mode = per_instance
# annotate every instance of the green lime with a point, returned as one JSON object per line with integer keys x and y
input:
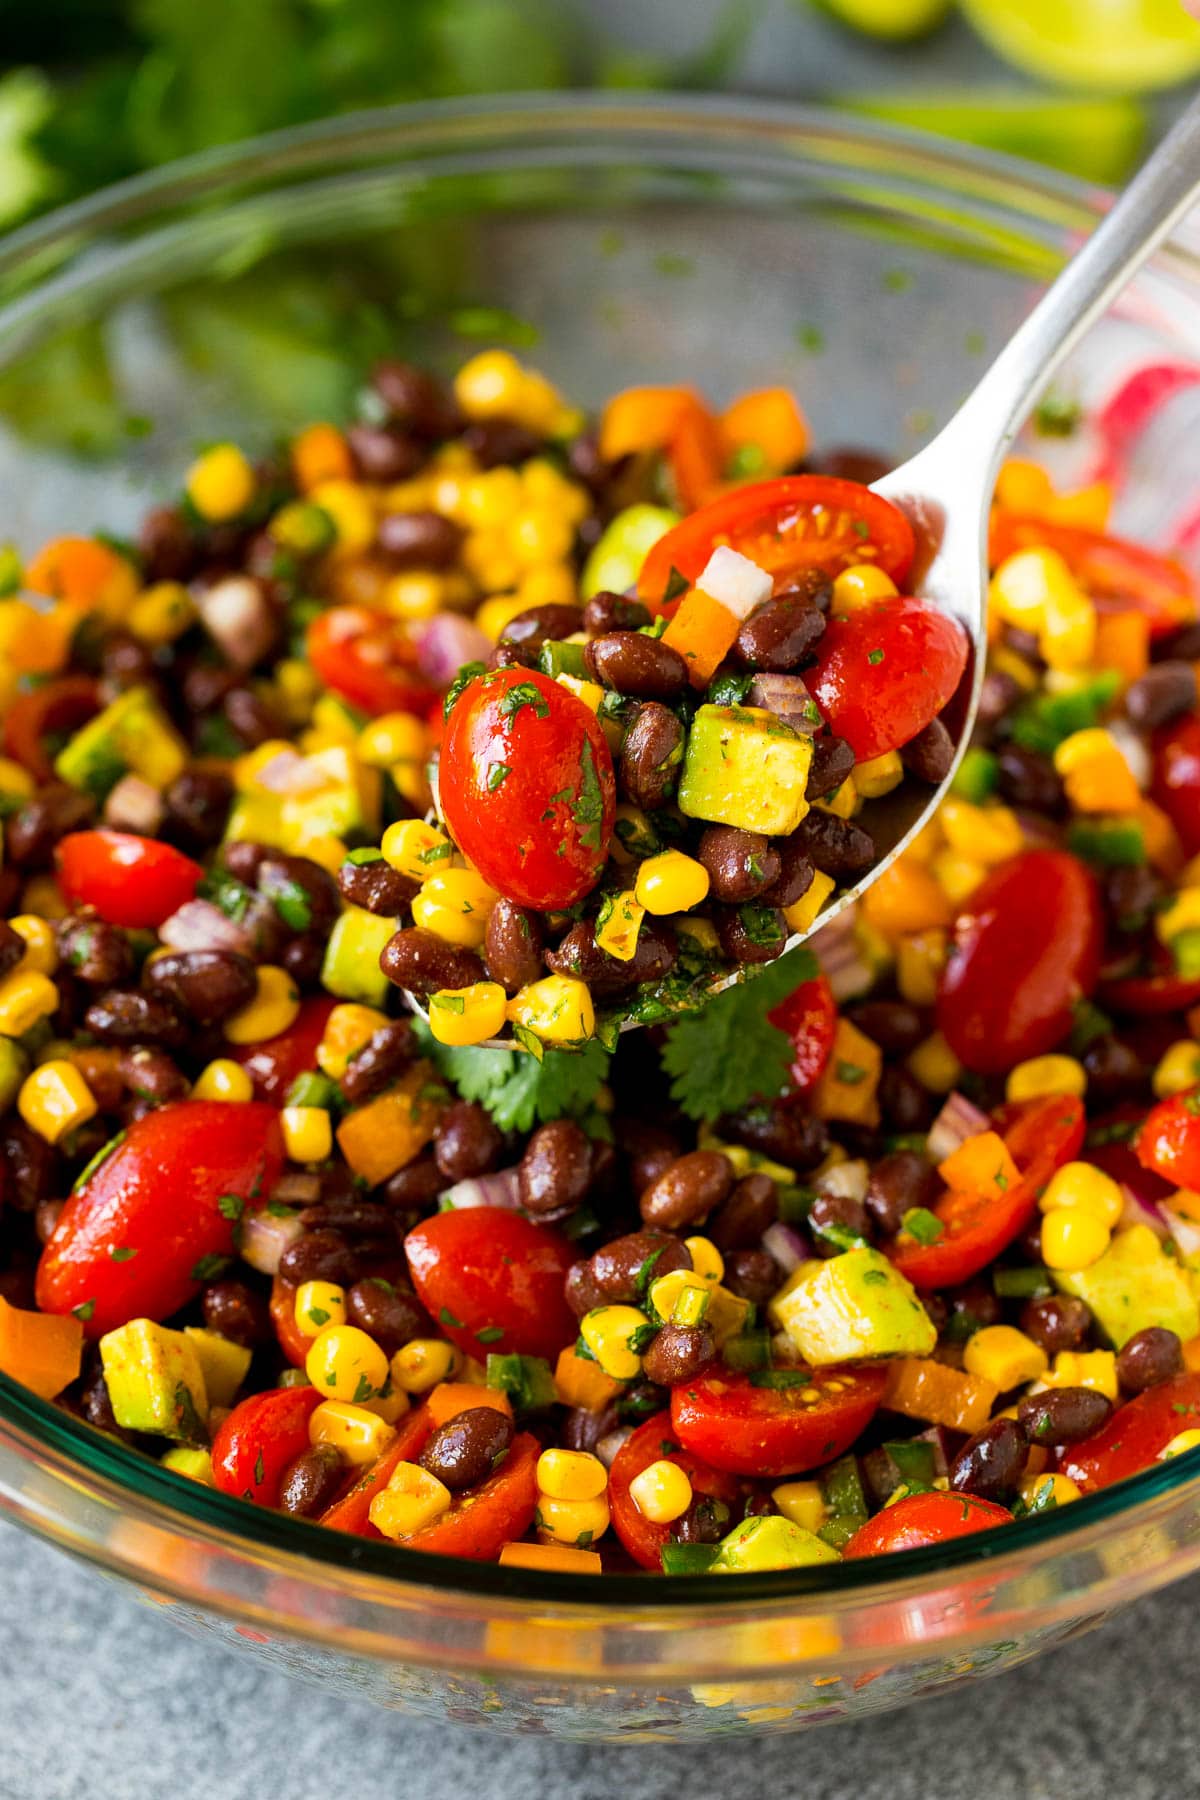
{"x": 1126, "y": 46}
{"x": 893, "y": 20}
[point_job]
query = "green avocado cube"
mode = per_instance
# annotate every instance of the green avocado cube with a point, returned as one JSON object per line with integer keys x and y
{"x": 853, "y": 1306}
{"x": 1133, "y": 1285}
{"x": 155, "y": 1381}
{"x": 616, "y": 561}
{"x": 342, "y": 798}
{"x": 191, "y": 1461}
{"x": 770, "y": 1543}
{"x": 131, "y": 734}
{"x": 351, "y": 968}
{"x": 223, "y": 1364}
{"x": 745, "y": 767}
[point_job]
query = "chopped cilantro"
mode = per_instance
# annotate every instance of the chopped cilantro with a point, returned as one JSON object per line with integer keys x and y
{"x": 466, "y": 675}
{"x": 727, "y": 1052}
{"x": 208, "y": 1267}
{"x": 446, "y": 1317}
{"x": 231, "y": 1206}
{"x": 588, "y": 806}
{"x": 875, "y": 657}
{"x": 524, "y": 694}
{"x": 497, "y": 775}
{"x": 490, "y": 1334}
{"x": 676, "y": 584}
{"x": 923, "y": 1225}
{"x": 121, "y": 1253}
{"x": 522, "y": 1091}
{"x": 84, "y": 1310}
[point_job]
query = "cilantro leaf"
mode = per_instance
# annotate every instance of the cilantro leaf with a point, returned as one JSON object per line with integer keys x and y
{"x": 516, "y": 1089}
{"x": 727, "y": 1052}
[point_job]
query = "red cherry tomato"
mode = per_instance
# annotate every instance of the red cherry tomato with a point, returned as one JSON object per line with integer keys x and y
{"x": 56, "y": 706}
{"x": 1119, "y": 576}
{"x": 1135, "y": 1435}
{"x": 885, "y": 672}
{"x": 924, "y": 1519}
{"x": 656, "y": 1441}
{"x": 723, "y": 1416}
{"x": 1041, "y": 1135}
{"x": 527, "y": 787}
{"x": 292, "y": 1341}
{"x": 1151, "y": 995}
{"x": 261, "y": 1436}
{"x": 481, "y": 1271}
{"x": 786, "y": 526}
{"x": 274, "y": 1064}
{"x": 351, "y": 1510}
{"x": 127, "y": 880}
{"x": 1169, "y": 1141}
{"x": 133, "y": 1239}
{"x": 809, "y": 1017}
{"x": 1027, "y": 947}
{"x": 1175, "y": 785}
{"x": 366, "y": 658}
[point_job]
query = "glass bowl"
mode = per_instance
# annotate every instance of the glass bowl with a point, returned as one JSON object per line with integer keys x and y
{"x": 619, "y": 240}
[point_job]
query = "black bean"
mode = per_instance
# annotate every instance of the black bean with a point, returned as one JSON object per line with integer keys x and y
{"x": 583, "y": 1429}
{"x": 538, "y": 625}
{"x": 303, "y": 893}
{"x": 1064, "y": 1415}
{"x": 208, "y": 985}
{"x": 204, "y": 685}
{"x": 497, "y": 442}
{"x": 677, "y": 1353}
{"x": 376, "y": 887}
{"x": 928, "y": 756}
{"x": 95, "y": 1403}
{"x": 124, "y": 1016}
{"x": 741, "y": 1219}
{"x": 1148, "y": 1358}
{"x": 555, "y": 1171}
{"x": 422, "y": 963}
{"x": 650, "y": 1149}
{"x": 167, "y": 544}
{"x": 1027, "y": 779}
{"x": 319, "y": 1256}
{"x": 832, "y": 1218}
{"x": 467, "y": 1448}
{"x": 832, "y": 761}
{"x": 705, "y": 1522}
{"x": 633, "y": 664}
{"x": 311, "y": 1481}
{"x": 31, "y": 833}
{"x": 152, "y": 1075}
{"x": 386, "y": 1053}
{"x": 850, "y": 463}
{"x": 972, "y": 1307}
{"x": 606, "y": 612}
{"x": 836, "y": 846}
{"x": 740, "y": 863}
{"x": 779, "y": 634}
{"x": 997, "y": 696}
{"x": 755, "y": 933}
{"x": 580, "y": 1289}
{"x": 621, "y": 1271}
{"x": 419, "y": 540}
{"x": 197, "y": 804}
{"x": 1059, "y": 1322}
{"x": 580, "y": 955}
{"x": 795, "y": 873}
{"x": 752, "y": 1275}
{"x": 46, "y": 1215}
{"x": 415, "y": 399}
{"x": 690, "y": 1188}
{"x": 513, "y": 946}
{"x": 1163, "y": 692}
{"x": 351, "y": 1216}
{"x": 94, "y": 952}
{"x": 29, "y": 1167}
{"x": 990, "y": 1463}
{"x": 1181, "y": 646}
{"x": 237, "y": 1312}
{"x": 787, "y": 1134}
{"x": 382, "y": 454}
{"x": 390, "y": 1314}
{"x": 1114, "y": 1069}
{"x": 252, "y": 718}
{"x": 898, "y": 1181}
{"x": 412, "y": 1188}
{"x": 467, "y": 1142}
{"x": 895, "y": 1025}
{"x": 1131, "y": 895}
{"x": 651, "y": 755}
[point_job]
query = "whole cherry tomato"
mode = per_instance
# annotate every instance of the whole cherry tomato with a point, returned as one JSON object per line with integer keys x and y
{"x": 1136, "y": 1434}
{"x": 55, "y": 706}
{"x": 1175, "y": 785}
{"x": 261, "y": 1436}
{"x": 493, "y": 1280}
{"x": 1026, "y": 948}
{"x": 809, "y": 1017}
{"x": 527, "y": 787}
{"x": 1169, "y": 1141}
{"x": 768, "y": 1424}
{"x": 786, "y": 526}
{"x": 367, "y": 658}
{"x": 125, "y": 879}
{"x": 885, "y": 672}
{"x": 924, "y": 1519}
{"x": 146, "y": 1224}
{"x": 274, "y": 1064}
{"x": 656, "y": 1441}
{"x": 1119, "y": 576}
{"x": 1041, "y": 1135}
{"x": 1161, "y": 990}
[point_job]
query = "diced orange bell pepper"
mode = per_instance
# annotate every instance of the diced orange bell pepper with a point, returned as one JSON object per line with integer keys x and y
{"x": 849, "y": 1087}
{"x": 388, "y": 1132}
{"x": 37, "y": 643}
{"x": 644, "y": 418}
{"x": 578, "y": 1382}
{"x": 982, "y": 1165}
{"x": 696, "y": 455}
{"x": 920, "y": 1388}
{"x": 1123, "y": 644}
{"x": 449, "y": 1398}
{"x": 85, "y": 572}
{"x": 1191, "y": 1355}
{"x": 321, "y": 453}
{"x": 1163, "y": 848}
{"x": 906, "y": 898}
{"x": 42, "y": 1350}
{"x": 562, "y": 1558}
{"x": 703, "y": 632}
{"x": 768, "y": 420}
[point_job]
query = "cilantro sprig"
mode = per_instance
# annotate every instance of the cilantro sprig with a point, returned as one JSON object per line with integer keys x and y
{"x": 517, "y": 1090}
{"x": 728, "y": 1053}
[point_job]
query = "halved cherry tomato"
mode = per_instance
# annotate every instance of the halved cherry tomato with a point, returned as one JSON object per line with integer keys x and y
{"x": 786, "y": 526}
{"x": 1026, "y": 948}
{"x": 1136, "y": 1434}
{"x": 142, "y": 1230}
{"x": 1118, "y": 1157}
{"x": 261, "y": 1436}
{"x": 656, "y": 1441}
{"x": 1041, "y": 1135}
{"x": 736, "y": 1422}
{"x": 274, "y": 1064}
{"x": 923, "y": 1519}
{"x": 1169, "y": 1141}
{"x": 61, "y": 705}
{"x": 527, "y": 787}
{"x": 292, "y": 1341}
{"x": 809, "y": 1017}
{"x": 366, "y": 658}
{"x": 1149, "y": 996}
{"x": 885, "y": 672}
{"x": 1119, "y": 576}
{"x": 1175, "y": 785}
{"x": 493, "y": 1280}
{"x": 128, "y": 880}
{"x": 351, "y": 1510}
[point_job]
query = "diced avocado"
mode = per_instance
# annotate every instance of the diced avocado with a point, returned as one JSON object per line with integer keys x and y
{"x": 855, "y": 1305}
{"x": 770, "y": 1543}
{"x": 616, "y": 561}
{"x": 14, "y": 1066}
{"x": 351, "y": 968}
{"x": 223, "y": 1364}
{"x": 155, "y": 1381}
{"x": 1133, "y": 1285}
{"x": 190, "y": 1460}
{"x": 343, "y": 800}
{"x": 132, "y": 735}
{"x": 745, "y": 767}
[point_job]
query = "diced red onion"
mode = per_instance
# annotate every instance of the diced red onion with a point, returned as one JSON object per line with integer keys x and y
{"x": 199, "y": 925}
{"x": 943, "y": 1449}
{"x": 290, "y": 773}
{"x": 848, "y": 1180}
{"x": 957, "y": 1121}
{"x": 237, "y": 616}
{"x": 264, "y": 1238}
{"x": 608, "y": 1445}
{"x": 1139, "y": 1209}
{"x": 134, "y": 805}
{"x": 1185, "y": 1231}
{"x": 1134, "y": 749}
{"x": 786, "y": 1245}
{"x": 842, "y": 963}
{"x": 446, "y": 643}
{"x": 789, "y": 699}
{"x": 501, "y": 1189}
{"x": 736, "y": 582}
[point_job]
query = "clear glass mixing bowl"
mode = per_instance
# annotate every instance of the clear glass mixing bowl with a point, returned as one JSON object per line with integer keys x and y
{"x": 623, "y": 240}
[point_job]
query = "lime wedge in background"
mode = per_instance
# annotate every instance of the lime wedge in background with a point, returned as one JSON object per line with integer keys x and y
{"x": 1095, "y": 136}
{"x": 1126, "y": 46}
{"x": 893, "y": 20}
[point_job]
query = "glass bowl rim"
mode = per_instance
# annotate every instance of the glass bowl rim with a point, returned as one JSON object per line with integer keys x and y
{"x": 600, "y": 116}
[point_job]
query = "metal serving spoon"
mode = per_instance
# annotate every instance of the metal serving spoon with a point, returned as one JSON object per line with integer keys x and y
{"x": 946, "y": 489}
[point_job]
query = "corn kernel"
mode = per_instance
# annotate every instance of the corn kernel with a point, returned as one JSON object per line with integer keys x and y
{"x": 1180, "y": 1444}
{"x": 389, "y": 1405}
{"x": 878, "y": 776}
{"x": 25, "y": 997}
{"x": 843, "y": 803}
{"x": 415, "y": 594}
{"x": 361, "y": 1436}
{"x": 1085, "y": 1368}
{"x": 307, "y": 1133}
{"x": 550, "y": 584}
{"x": 455, "y": 905}
{"x": 661, "y": 1492}
{"x": 490, "y": 500}
{"x": 553, "y": 1557}
{"x": 571, "y": 1475}
{"x": 496, "y": 613}
{"x": 1043, "y": 1077}
{"x": 935, "y": 1065}
{"x": 345, "y": 1364}
{"x": 619, "y": 925}
{"x": 352, "y": 510}
{"x": 489, "y": 385}
{"x": 1042, "y": 1491}
{"x": 986, "y": 834}
{"x": 15, "y": 782}
{"x": 920, "y": 959}
{"x": 1067, "y": 639}
{"x": 671, "y": 882}
{"x": 43, "y": 896}
{"x": 272, "y": 1010}
{"x": 416, "y": 849}
{"x": 611, "y": 1334}
{"x": 395, "y": 737}
{"x": 575, "y": 1522}
{"x": 801, "y": 914}
{"x": 540, "y": 535}
{"x": 423, "y": 1362}
{"x": 590, "y": 693}
{"x": 54, "y": 1099}
{"x": 707, "y": 1261}
{"x": 957, "y": 875}
{"x": 161, "y": 613}
{"x": 1072, "y": 1239}
{"x": 1177, "y": 1069}
{"x": 220, "y": 484}
{"x": 41, "y": 945}
{"x": 1004, "y": 1355}
{"x": 1095, "y": 774}
{"x": 318, "y": 1304}
{"x": 557, "y": 1009}
{"x": 410, "y": 780}
{"x": 1080, "y": 1185}
{"x": 412, "y": 1499}
{"x": 667, "y": 1293}
{"x": 347, "y": 1029}
{"x": 223, "y": 1080}
{"x": 468, "y": 1015}
{"x": 802, "y": 1502}
{"x": 859, "y": 585}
